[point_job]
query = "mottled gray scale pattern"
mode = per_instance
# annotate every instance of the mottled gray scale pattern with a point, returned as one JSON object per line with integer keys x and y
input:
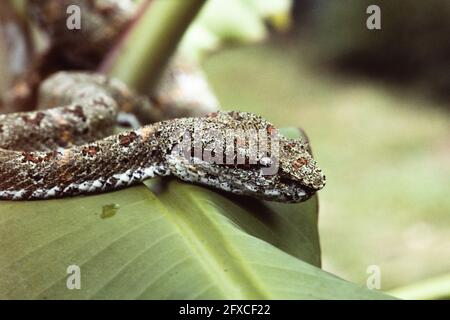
{"x": 68, "y": 150}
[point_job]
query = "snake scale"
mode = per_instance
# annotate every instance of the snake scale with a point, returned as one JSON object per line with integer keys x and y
{"x": 68, "y": 147}
{"x": 60, "y": 151}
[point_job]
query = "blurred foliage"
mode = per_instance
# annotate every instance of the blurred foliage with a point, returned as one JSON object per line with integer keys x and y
{"x": 413, "y": 43}
{"x": 434, "y": 288}
{"x": 235, "y": 21}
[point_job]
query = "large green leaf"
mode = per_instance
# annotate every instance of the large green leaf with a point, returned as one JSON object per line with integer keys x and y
{"x": 166, "y": 240}
{"x": 185, "y": 242}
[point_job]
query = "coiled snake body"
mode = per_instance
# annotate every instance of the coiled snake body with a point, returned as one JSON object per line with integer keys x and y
{"x": 62, "y": 151}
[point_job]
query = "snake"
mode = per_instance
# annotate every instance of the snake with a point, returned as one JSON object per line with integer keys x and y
{"x": 68, "y": 147}
{"x": 181, "y": 91}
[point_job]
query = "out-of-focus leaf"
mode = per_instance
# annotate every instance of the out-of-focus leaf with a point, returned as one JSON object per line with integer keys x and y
{"x": 429, "y": 289}
{"x": 198, "y": 40}
{"x": 233, "y": 21}
{"x": 238, "y": 21}
{"x": 276, "y": 12}
{"x": 267, "y": 8}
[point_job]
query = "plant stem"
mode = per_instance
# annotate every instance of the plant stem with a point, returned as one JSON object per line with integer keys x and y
{"x": 149, "y": 45}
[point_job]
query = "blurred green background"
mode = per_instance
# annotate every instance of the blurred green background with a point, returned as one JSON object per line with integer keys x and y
{"x": 374, "y": 106}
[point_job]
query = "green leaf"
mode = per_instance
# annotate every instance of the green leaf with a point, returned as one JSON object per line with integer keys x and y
{"x": 185, "y": 242}
{"x": 166, "y": 240}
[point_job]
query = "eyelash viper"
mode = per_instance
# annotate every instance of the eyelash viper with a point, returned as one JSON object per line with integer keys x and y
{"x": 71, "y": 149}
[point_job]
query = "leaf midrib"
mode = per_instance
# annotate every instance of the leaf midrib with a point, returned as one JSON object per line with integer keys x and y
{"x": 238, "y": 273}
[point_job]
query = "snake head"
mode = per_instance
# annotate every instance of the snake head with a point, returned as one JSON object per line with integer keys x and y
{"x": 297, "y": 166}
{"x": 295, "y": 179}
{"x": 285, "y": 173}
